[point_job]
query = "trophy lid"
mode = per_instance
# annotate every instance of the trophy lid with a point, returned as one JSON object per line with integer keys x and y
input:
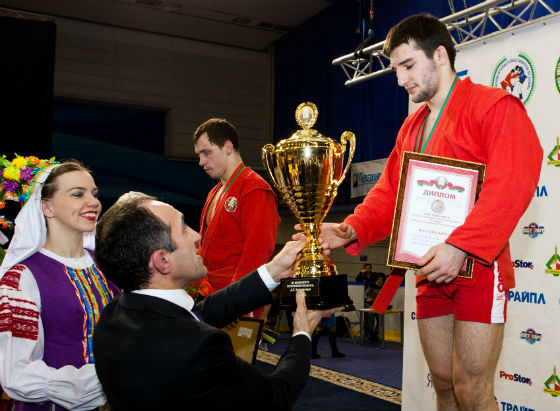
{"x": 306, "y": 116}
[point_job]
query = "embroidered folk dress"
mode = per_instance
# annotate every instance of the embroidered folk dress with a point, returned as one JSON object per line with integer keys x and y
{"x": 49, "y": 306}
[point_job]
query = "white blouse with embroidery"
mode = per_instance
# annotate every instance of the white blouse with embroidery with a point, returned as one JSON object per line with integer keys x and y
{"x": 23, "y": 374}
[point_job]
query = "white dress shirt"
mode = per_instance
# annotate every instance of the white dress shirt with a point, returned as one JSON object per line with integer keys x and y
{"x": 183, "y": 299}
{"x": 23, "y": 373}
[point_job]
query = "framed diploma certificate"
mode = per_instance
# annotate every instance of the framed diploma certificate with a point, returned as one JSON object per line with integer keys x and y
{"x": 435, "y": 196}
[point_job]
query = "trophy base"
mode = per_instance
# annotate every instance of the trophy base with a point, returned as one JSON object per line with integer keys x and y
{"x": 321, "y": 293}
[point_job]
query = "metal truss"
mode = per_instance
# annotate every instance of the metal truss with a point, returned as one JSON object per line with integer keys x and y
{"x": 476, "y": 23}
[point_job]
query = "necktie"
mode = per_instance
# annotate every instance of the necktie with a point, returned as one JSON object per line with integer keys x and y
{"x": 197, "y": 313}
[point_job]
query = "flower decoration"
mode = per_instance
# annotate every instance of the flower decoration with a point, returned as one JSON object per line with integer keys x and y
{"x": 5, "y": 223}
{"x": 16, "y": 177}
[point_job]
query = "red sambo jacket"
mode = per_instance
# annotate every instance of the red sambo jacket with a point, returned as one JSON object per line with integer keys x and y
{"x": 481, "y": 124}
{"x": 241, "y": 235}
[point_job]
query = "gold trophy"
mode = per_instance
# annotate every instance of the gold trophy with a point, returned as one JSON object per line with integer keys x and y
{"x": 307, "y": 169}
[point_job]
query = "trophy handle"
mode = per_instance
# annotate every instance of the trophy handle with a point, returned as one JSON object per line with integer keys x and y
{"x": 267, "y": 153}
{"x": 347, "y": 136}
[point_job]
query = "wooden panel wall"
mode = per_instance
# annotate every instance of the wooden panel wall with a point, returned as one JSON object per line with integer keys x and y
{"x": 192, "y": 81}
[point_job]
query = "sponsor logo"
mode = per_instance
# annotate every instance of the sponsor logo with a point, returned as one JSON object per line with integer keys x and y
{"x": 554, "y": 155}
{"x": 553, "y": 264}
{"x": 499, "y": 292}
{"x": 541, "y": 192}
{"x": 533, "y": 230}
{"x": 526, "y": 297}
{"x": 231, "y": 204}
{"x": 515, "y": 75}
{"x": 506, "y": 406}
{"x": 531, "y": 336}
{"x": 364, "y": 178}
{"x": 516, "y": 377}
{"x": 522, "y": 264}
{"x": 552, "y": 385}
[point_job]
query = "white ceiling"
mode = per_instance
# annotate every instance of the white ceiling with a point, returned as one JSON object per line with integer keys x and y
{"x": 251, "y": 24}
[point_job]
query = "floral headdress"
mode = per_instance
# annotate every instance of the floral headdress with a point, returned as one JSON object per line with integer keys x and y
{"x": 17, "y": 177}
{"x": 21, "y": 180}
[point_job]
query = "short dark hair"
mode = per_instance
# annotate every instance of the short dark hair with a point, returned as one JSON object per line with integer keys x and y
{"x": 367, "y": 265}
{"x": 126, "y": 236}
{"x": 50, "y": 187}
{"x": 219, "y": 130}
{"x": 426, "y": 31}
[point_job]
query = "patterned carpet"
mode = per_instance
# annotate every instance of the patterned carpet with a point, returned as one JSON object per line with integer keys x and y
{"x": 347, "y": 381}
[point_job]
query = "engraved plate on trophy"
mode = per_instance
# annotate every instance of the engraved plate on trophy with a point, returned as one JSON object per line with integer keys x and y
{"x": 307, "y": 170}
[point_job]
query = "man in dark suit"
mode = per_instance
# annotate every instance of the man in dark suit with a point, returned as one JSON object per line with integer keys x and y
{"x": 151, "y": 350}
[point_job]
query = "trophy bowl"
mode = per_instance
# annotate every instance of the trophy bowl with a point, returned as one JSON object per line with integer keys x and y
{"x": 307, "y": 170}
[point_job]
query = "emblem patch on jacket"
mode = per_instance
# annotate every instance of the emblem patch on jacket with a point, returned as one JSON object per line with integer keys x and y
{"x": 231, "y": 204}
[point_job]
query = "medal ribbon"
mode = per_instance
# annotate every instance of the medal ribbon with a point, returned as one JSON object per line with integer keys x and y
{"x": 397, "y": 274}
{"x": 437, "y": 119}
{"x": 214, "y": 204}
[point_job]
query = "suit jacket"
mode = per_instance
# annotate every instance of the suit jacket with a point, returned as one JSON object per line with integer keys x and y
{"x": 151, "y": 354}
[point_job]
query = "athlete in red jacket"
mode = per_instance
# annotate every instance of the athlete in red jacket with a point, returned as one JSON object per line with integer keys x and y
{"x": 239, "y": 221}
{"x": 460, "y": 321}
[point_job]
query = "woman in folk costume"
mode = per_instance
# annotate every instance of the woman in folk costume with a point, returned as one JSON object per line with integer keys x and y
{"x": 51, "y": 291}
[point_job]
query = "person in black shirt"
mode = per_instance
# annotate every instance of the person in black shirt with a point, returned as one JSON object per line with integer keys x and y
{"x": 364, "y": 276}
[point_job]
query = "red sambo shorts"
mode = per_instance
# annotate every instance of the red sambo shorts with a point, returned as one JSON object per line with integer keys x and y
{"x": 483, "y": 301}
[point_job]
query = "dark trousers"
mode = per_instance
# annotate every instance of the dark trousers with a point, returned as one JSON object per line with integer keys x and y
{"x": 371, "y": 326}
